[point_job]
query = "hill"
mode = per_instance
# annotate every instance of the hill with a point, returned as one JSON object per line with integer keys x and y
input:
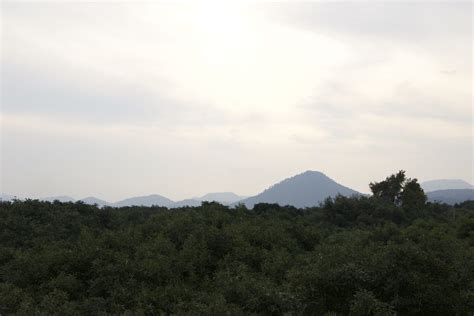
{"x": 93, "y": 200}
{"x": 148, "y": 200}
{"x": 304, "y": 190}
{"x": 186, "y": 202}
{"x": 451, "y": 196}
{"x": 221, "y": 197}
{"x": 445, "y": 184}
{"x": 62, "y": 198}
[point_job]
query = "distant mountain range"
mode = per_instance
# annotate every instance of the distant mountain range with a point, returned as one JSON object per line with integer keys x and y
{"x": 450, "y": 196}
{"x": 62, "y": 198}
{"x": 148, "y": 200}
{"x": 93, "y": 200}
{"x": 303, "y": 190}
{"x": 445, "y": 184}
{"x": 225, "y": 197}
{"x": 449, "y": 191}
{"x": 186, "y": 202}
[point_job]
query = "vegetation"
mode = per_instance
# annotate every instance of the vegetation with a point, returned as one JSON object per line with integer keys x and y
{"x": 380, "y": 255}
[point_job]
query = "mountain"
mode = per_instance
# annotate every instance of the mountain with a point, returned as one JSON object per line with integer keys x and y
{"x": 61, "y": 198}
{"x": 187, "y": 202}
{"x": 445, "y": 184}
{"x": 221, "y": 197}
{"x": 148, "y": 200}
{"x": 303, "y": 190}
{"x": 451, "y": 196}
{"x": 93, "y": 200}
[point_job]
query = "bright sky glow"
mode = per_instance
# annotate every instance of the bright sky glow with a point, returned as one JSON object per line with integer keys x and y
{"x": 119, "y": 99}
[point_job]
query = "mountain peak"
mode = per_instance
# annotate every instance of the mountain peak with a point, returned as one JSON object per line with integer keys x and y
{"x": 221, "y": 197}
{"x": 93, "y": 200}
{"x": 147, "y": 200}
{"x": 311, "y": 173}
{"x": 306, "y": 189}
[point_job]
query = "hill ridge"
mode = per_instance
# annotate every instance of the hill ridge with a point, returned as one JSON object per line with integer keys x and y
{"x": 305, "y": 189}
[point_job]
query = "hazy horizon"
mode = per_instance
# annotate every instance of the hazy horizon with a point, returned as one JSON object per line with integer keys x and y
{"x": 197, "y": 197}
{"x": 115, "y": 100}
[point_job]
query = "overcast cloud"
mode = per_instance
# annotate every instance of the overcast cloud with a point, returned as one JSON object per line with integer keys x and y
{"x": 120, "y": 99}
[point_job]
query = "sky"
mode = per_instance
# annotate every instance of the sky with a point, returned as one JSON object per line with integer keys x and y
{"x": 117, "y": 99}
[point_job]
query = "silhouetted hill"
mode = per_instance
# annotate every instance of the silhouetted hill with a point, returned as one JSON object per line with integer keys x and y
{"x": 93, "y": 200}
{"x": 186, "y": 202}
{"x": 303, "y": 190}
{"x": 445, "y": 184}
{"x": 148, "y": 200}
{"x": 451, "y": 196}
{"x": 221, "y": 197}
{"x": 62, "y": 198}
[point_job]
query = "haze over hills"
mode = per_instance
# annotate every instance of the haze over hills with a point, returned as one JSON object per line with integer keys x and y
{"x": 93, "y": 200}
{"x": 61, "y": 198}
{"x": 225, "y": 198}
{"x": 147, "y": 200}
{"x": 449, "y": 191}
{"x": 304, "y": 190}
{"x": 450, "y": 196}
{"x": 186, "y": 202}
{"x": 222, "y": 197}
{"x": 445, "y": 184}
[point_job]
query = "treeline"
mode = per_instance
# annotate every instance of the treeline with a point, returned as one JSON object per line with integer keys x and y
{"x": 360, "y": 256}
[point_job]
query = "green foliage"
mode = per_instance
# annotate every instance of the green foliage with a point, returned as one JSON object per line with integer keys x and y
{"x": 397, "y": 189}
{"x": 364, "y": 303}
{"x": 413, "y": 196}
{"x": 389, "y": 189}
{"x": 358, "y": 256}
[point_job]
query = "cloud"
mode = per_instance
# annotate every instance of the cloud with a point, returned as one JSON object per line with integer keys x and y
{"x": 392, "y": 21}
{"x": 449, "y": 72}
{"x": 56, "y": 93}
{"x": 219, "y": 95}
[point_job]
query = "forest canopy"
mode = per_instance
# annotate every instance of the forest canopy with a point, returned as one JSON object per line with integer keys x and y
{"x": 388, "y": 253}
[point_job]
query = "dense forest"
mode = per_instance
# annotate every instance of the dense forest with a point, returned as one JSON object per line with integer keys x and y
{"x": 390, "y": 253}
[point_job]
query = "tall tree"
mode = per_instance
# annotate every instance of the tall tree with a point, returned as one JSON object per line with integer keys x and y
{"x": 413, "y": 195}
{"x": 399, "y": 190}
{"x": 390, "y": 189}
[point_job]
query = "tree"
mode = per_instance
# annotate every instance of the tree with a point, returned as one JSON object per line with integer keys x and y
{"x": 399, "y": 190}
{"x": 389, "y": 190}
{"x": 364, "y": 303}
{"x": 413, "y": 195}
{"x": 349, "y": 256}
